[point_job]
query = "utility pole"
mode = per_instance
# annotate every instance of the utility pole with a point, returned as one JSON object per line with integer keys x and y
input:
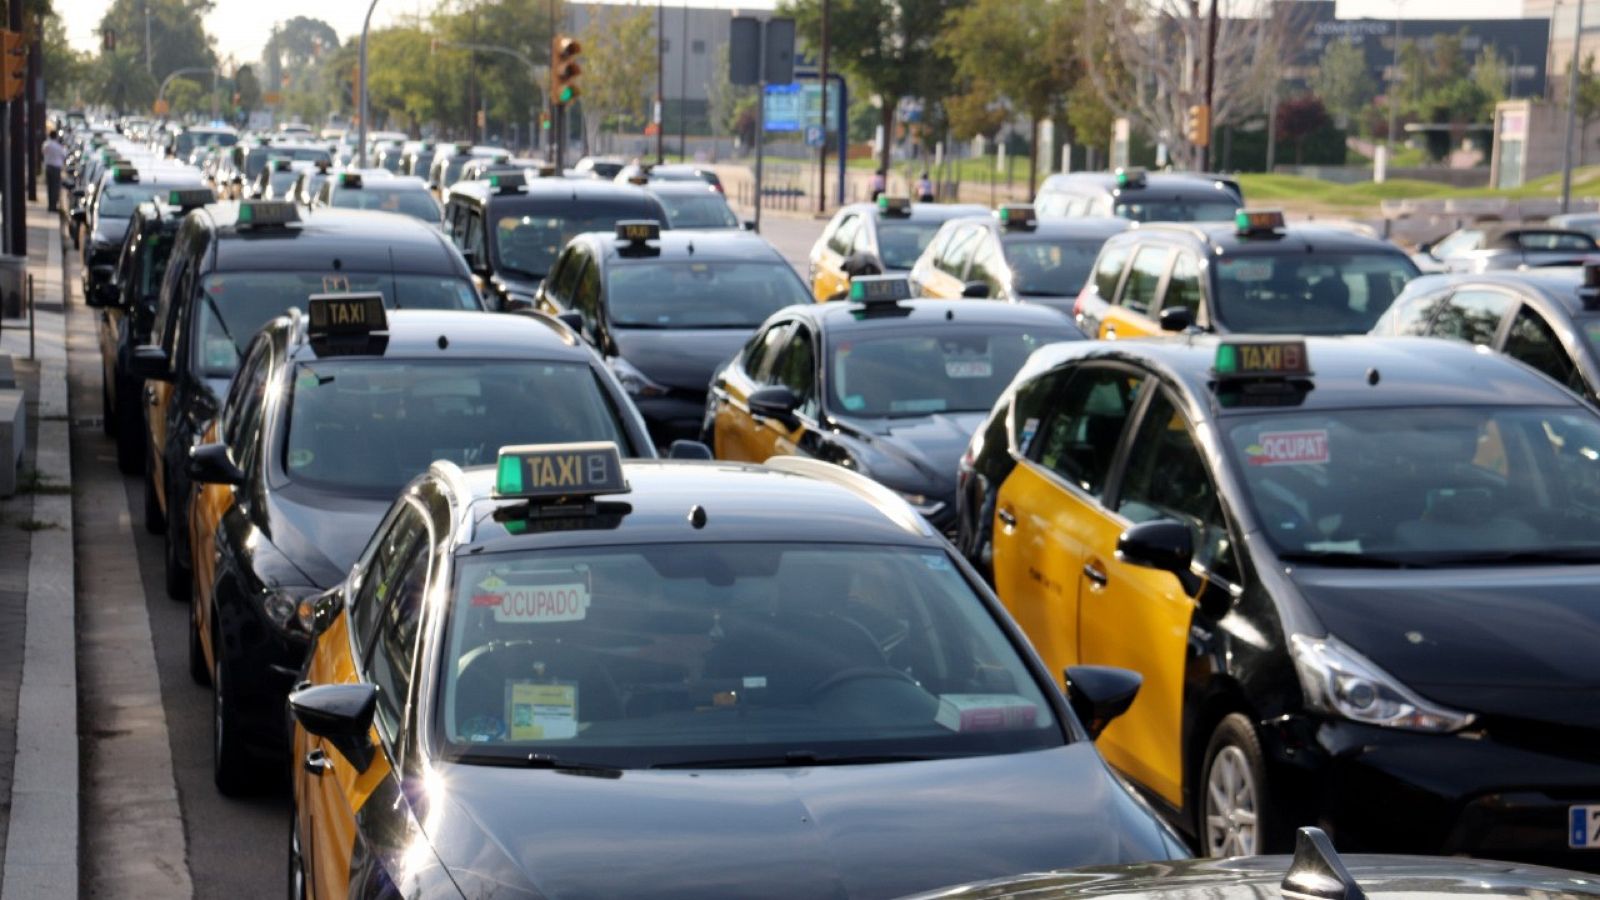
{"x": 16, "y": 215}
{"x": 361, "y": 91}
{"x": 1572, "y": 107}
{"x": 683, "y": 87}
{"x": 1394, "y": 81}
{"x": 661, "y": 94}
{"x": 822, "y": 152}
{"x": 1211, "y": 83}
{"x": 147, "y": 66}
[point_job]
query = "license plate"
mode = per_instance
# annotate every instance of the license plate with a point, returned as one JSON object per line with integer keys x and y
{"x": 1583, "y": 827}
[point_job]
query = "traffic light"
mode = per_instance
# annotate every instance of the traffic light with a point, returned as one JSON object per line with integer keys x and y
{"x": 1198, "y": 126}
{"x": 13, "y": 65}
{"x": 564, "y": 70}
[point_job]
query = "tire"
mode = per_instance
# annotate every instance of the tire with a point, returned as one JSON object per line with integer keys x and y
{"x": 230, "y": 765}
{"x": 199, "y": 672}
{"x": 154, "y": 521}
{"x": 177, "y": 575}
{"x": 1235, "y": 810}
{"x": 130, "y": 440}
{"x": 297, "y": 865}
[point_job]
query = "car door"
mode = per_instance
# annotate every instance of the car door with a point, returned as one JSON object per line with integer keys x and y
{"x": 1185, "y": 289}
{"x": 176, "y": 295}
{"x": 1095, "y": 298}
{"x": 1531, "y": 340}
{"x": 945, "y": 275}
{"x": 1048, "y": 513}
{"x": 1139, "y": 618}
{"x": 795, "y": 368}
{"x": 827, "y": 264}
{"x": 733, "y": 427}
{"x": 555, "y": 295}
{"x": 374, "y": 639}
{"x": 1129, "y": 315}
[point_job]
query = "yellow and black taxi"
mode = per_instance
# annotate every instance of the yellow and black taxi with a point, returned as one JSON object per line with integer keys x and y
{"x": 331, "y": 414}
{"x": 651, "y": 658}
{"x": 665, "y": 308}
{"x": 1546, "y": 318}
{"x": 511, "y": 228}
{"x": 890, "y": 233}
{"x": 884, "y": 385}
{"x": 1357, "y": 575}
{"x": 127, "y": 306}
{"x": 1141, "y": 196}
{"x": 1253, "y": 275}
{"x": 235, "y": 267}
{"x": 1013, "y": 255}
{"x": 120, "y": 191}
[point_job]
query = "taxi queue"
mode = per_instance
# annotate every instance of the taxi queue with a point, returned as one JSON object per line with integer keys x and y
{"x": 976, "y": 585}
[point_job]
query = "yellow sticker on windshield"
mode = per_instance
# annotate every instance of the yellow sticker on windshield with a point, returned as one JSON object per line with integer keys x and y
{"x": 540, "y": 712}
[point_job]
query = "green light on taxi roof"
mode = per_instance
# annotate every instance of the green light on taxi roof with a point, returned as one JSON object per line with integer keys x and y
{"x": 1227, "y": 359}
{"x": 508, "y": 477}
{"x": 1241, "y": 221}
{"x": 858, "y": 290}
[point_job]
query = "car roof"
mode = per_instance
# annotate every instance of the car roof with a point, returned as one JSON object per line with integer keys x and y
{"x": 1557, "y": 284}
{"x": 686, "y": 187}
{"x": 790, "y": 501}
{"x": 1500, "y": 235}
{"x": 356, "y": 240}
{"x": 1066, "y": 228}
{"x": 846, "y": 316}
{"x": 445, "y": 334}
{"x": 1411, "y": 371}
{"x": 722, "y": 246}
{"x": 1224, "y": 237}
{"x": 547, "y": 188}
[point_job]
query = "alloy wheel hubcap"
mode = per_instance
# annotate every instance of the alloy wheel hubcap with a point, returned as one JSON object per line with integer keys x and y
{"x": 1231, "y": 805}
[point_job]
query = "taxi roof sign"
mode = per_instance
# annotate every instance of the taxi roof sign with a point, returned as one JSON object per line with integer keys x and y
{"x": 281, "y": 163}
{"x": 899, "y": 207}
{"x": 339, "y": 314}
{"x": 637, "y": 231}
{"x": 124, "y": 174}
{"x": 559, "y": 471}
{"x": 1262, "y": 359}
{"x": 870, "y": 289}
{"x": 1258, "y": 221}
{"x": 507, "y": 182}
{"x": 263, "y": 213}
{"x": 350, "y": 179}
{"x": 192, "y": 198}
{"x": 1131, "y": 177}
{"x": 1018, "y": 217}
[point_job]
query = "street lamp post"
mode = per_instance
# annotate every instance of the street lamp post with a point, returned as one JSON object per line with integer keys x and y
{"x": 361, "y": 91}
{"x": 1394, "y": 80}
{"x": 1572, "y": 106}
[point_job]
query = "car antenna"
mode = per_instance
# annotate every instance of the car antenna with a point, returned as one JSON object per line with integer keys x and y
{"x": 1317, "y": 872}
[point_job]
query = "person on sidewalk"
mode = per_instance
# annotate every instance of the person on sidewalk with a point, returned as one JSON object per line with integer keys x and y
{"x": 924, "y": 189}
{"x": 55, "y": 156}
{"x": 880, "y": 183}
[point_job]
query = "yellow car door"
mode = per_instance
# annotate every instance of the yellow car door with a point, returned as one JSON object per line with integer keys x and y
{"x": 828, "y": 277}
{"x": 796, "y": 368}
{"x": 939, "y": 272}
{"x": 734, "y": 430}
{"x": 1129, "y": 315}
{"x": 206, "y": 508}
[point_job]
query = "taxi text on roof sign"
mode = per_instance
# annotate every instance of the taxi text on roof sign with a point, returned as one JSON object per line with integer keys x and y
{"x": 880, "y": 288}
{"x": 1258, "y": 221}
{"x": 268, "y": 212}
{"x": 535, "y": 471}
{"x": 1018, "y": 216}
{"x": 1130, "y": 178}
{"x": 191, "y": 199}
{"x": 346, "y": 314}
{"x": 1254, "y": 359}
{"x": 637, "y": 230}
{"x": 350, "y": 179}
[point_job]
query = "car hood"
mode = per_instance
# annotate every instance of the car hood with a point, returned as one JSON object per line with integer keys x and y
{"x": 915, "y": 454}
{"x": 321, "y": 533}
{"x": 1510, "y": 641}
{"x": 844, "y": 831}
{"x": 682, "y": 358}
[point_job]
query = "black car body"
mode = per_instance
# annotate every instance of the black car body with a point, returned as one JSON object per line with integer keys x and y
{"x": 694, "y": 204}
{"x": 1140, "y": 196}
{"x": 1548, "y": 318}
{"x": 1014, "y": 255}
{"x": 512, "y": 228}
{"x": 277, "y": 257}
{"x": 846, "y": 818}
{"x": 444, "y": 170}
{"x": 667, "y": 310}
{"x": 1431, "y": 572}
{"x": 119, "y": 192}
{"x": 785, "y": 392}
{"x": 300, "y": 482}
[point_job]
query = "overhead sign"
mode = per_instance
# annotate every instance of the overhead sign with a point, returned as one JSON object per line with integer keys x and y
{"x": 797, "y": 106}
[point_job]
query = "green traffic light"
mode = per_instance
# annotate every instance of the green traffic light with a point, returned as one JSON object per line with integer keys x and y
{"x": 567, "y": 93}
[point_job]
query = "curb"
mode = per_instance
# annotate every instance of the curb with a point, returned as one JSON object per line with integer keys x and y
{"x": 43, "y": 838}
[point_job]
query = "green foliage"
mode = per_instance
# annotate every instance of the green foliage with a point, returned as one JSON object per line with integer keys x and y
{"x": 1343, "y": 82}
{"x": 66, "y": 71}
{"x": 248, "y": 88}
{"x": 186, "y": 96}
{"x": 119, "y": 80}
{"x": 619, "y": 61}
{"x": 177, "y": 35}
{"x": 1444, "y": 87}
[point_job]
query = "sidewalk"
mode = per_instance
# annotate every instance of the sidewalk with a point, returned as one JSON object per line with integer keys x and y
{"x": 39, "y": 793}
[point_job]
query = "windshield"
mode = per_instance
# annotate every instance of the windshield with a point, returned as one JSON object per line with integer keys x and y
{"x": 237, "y": 304}
{"x": 722, "y": 654}
{"x": 528, "y": 240}
{"x": 415, "y": 202}
{"x": 713, "y": 294}
{"x": 1049, "y": 268}
{"x": 373, "y": 425}
{"x": 1221, "y": 209}
{"x": 1591, "y": 330}
{"x": 1424, "y": 485}
{"x": 281, "y": 182}
{"x": 910, "y": 374}
{"x": 453, "y": 167}
{"x": 706, "y": 210}
{"x": 192, "y": 139}
{"x": 120, "y": 201}
{"x": 1300, "y": 293}
{"x": 901, "y": 241}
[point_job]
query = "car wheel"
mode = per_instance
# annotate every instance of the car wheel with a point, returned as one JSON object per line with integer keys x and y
{"x": 177, "y": 573}
{"x": 1235, "y": 811}
{"x": 154, "y": 521}
{"x": 297, "y": 864}
{"x": 229, "y": 767}
{"x": 198, "y": 670}
{"x": 130, "y": 438}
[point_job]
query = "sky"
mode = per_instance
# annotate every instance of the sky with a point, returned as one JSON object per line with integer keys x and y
{"x": 241, "y": 26}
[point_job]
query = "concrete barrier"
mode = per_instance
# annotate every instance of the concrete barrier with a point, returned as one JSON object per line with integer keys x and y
{"x": 13, "y": 438}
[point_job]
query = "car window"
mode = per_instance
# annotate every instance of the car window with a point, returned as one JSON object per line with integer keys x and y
{"x": 1463, "y": 241}
{"x": 929, "y": 371}
{"x": 758, "y": 354}
{"x": 1183, "y": 287}
{"x": 389, "y": 668}
{"x": 1108, "y": 271}
{"x": 1412, "y": 316}
{"x": 1471, "y": 315}
{"x": 565, "y": 279}
{"x": 844, "y": 235}
{"x": 1079, "y": 437}
{"x": 706, "y": 294}
{"x": 1533, "y": 341}
{"x": 1555, "y": 240}
{"x": 244, "y": 398}
{"x": 988, "y": 266}
{"x": 1052, "y": 267}
{"x": 393, "y": 544}
{"x": 1320, "y": 292}
{"x": 1144, "y": 277}
{"x": 1166, "y": 478}
{"x": 586, "y": 294}
{"x": 958, "y": 252}
{"x": 796, "y": 367}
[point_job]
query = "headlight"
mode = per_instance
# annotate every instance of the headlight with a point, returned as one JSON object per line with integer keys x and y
{"x": 289, "y": 608}
{"x": 921, "y": 502}
{"x": 635, "y": 382}
{"x": 1339, "y": 681}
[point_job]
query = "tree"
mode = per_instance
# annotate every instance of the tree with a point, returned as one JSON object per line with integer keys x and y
{"x": 185, "y": 96}
{"x": 1300, "y": 117}
{"x": 119, "y": 80}
{"x": 975, "y": 113}
{"x": 1343, "y": 81}
{"x": 1588, "y": 105}
{"x": 65, "y": 69}
{"x": 728, "y": 102}
{"x": 619, "y": 60}
{"x": 885, "y": 46}
{"x": 294, "y": 48}
{"x": 248, "y": 88}
{"x": 178, "y": 35}
{"x": 1449, "y": 90}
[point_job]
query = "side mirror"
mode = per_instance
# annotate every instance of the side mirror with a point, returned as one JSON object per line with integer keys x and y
{"x": 975, "y": 290}
{"x": 748, "y": 225}
{"x": 572, "y": 320}
{"x": 1176, "y": 318}
{"x": 1098, "y": 694}
{"x": 342, "y": 715}
{"x": 1163, "y": 545}
{"x": 775, "y": 401}
{"x": 212, "y": 464}
{"x": 150, "y": 361}
{"x": 1426, "y": 248}
{"x": 684, "y": 449}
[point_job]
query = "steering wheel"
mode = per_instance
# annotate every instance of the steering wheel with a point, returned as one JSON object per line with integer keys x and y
{"x": 858, "y": 673}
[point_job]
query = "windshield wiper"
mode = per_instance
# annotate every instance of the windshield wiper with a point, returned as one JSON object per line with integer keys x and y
{"x": 539, "y": 761}
{"x": 1349, "y": 560}
{"x": 1567, "y": 556}
{"x": 223, "y": 324}
{"x": 798, "y": 759}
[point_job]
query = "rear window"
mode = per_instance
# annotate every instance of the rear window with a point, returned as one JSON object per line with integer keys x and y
{"x": 415, "y": 202}
{"x": 1049, "y": 268}
{"x": 1221, "y": 209}
{"x": 1556, "y": 240}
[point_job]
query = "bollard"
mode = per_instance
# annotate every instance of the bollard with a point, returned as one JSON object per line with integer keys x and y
{"x": 31, "y": 315}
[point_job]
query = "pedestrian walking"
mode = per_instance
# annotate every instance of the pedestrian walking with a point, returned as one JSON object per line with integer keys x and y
{"x": 55, "y": 156}
{"x": 924, "y": 189}
{"x": 880, "y": 183}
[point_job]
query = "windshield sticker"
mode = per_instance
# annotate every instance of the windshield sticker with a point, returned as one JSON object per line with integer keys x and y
{"x": 299, "y": 459}
{"x": 986, "y": 712}
{"x": 1289, "y": 448}
{"x": 968, "y": 368}
{"x": 1247, "y": 269}
{"x": 219, "y": 352}
{"x": 936, "y": 562}
{"x": 539, "y": 712}
{"x": 855, "y": 403}
{"x": 482, "y": 729}
{"x": 335, "y": 284}
{"x": 537, "y": 604}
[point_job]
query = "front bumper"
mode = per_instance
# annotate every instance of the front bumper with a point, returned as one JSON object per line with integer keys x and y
{"x": 1382, "y": 790}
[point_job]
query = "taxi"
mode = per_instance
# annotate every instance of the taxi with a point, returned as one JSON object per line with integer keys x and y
{"x": 236, "y": 267}
{"x": 277, "y": 179}
{"x": 883, "y": 385}
{"x": 1013, "y": 255}
{"x": 127, "y": 305}
{"x": 317, "y": 435}
{"x": 1357, "y": 575}
{"x": 511, "y": 228}
{"x": 1546, "y": 318}
{"x": 665, "y": 308}
{"x": 1141, "y": 196}
{"x": 1255, "y": 275}
{"x": 379, "y": 191}
{"x": 445, "y": 168}
{"x": 120, "y": 190}
{"x": 695, "y": 204}
{"x": 651, "y": 658}
{"x": 890, "y": 233}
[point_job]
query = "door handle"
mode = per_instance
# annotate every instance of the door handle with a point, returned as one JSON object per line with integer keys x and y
{"x": 317, "y": 762}
{"x": 1095, "y": 572}
{"x": 1006, "y": 517}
